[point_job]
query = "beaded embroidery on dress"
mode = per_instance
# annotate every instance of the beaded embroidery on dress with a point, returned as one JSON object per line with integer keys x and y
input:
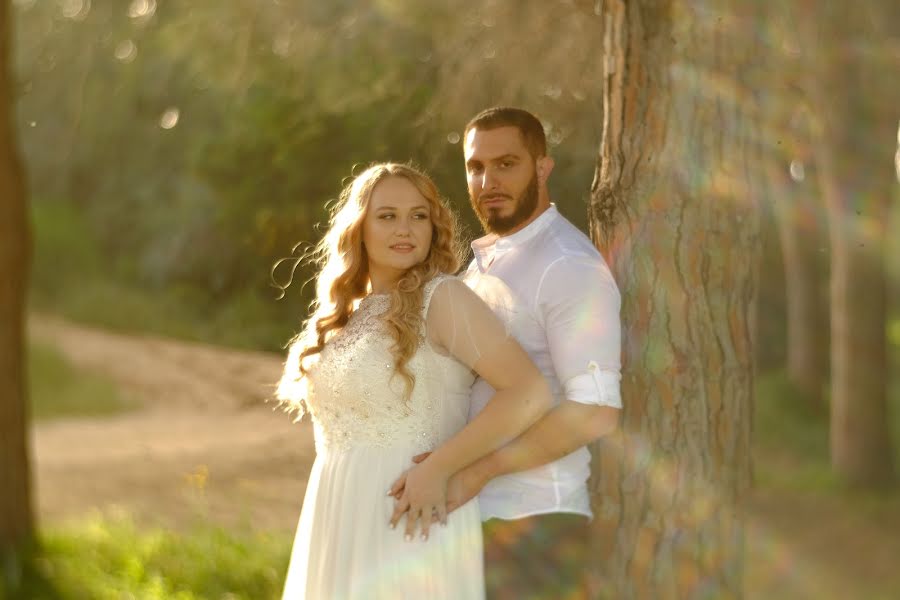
{"x": 356, "y": 395}
{"x": 366, "y": 433}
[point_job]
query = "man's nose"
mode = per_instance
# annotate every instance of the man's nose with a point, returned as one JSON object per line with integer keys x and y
{"x": 490, "y": 180}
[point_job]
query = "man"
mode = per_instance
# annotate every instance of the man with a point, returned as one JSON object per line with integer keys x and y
{"x": 545, "y": 279}
{"x": 554, "y": 291}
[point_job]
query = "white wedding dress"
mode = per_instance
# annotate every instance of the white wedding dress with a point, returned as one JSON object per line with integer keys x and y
{"x": 366, "y": 434}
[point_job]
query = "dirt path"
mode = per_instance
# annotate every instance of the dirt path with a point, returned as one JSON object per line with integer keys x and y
{"x": 205, "y": 444}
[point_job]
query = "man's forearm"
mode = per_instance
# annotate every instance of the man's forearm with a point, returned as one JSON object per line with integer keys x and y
{"x": 561, "y": 431}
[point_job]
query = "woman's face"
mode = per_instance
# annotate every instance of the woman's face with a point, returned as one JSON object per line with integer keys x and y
{"x": 397, "y": 229}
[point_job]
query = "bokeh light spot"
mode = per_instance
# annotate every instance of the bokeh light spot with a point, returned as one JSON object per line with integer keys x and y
{"x": 141, "y": 9}
{"x": 169, "y": 119}
{"x": 126, "y": 51}
{"x": 76, "y": 10}
{"x": 453, "y": 137}
{"x": 798, "y": 171}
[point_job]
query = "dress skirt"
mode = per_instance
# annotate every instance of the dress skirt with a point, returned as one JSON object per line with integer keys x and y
{"x": 344, "y": 548}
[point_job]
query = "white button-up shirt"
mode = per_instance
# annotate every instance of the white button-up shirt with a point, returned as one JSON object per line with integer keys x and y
{"x": 558, "y": 299}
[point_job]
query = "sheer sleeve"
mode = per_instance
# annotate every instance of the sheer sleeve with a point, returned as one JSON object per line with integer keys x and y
{"x": 460, "y": 324}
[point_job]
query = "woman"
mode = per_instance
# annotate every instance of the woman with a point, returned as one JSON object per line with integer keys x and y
{"x": 384, "y": 366}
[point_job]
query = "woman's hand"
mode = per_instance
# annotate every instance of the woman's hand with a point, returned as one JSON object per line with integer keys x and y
{"x": 423, "y": 498}
{"x": 397, "y": 488}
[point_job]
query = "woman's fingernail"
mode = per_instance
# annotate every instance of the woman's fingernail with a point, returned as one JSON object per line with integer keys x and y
{"x": 424, "y": 537}
{"x": 391, "y": 525}
{"x": 408, "y": 537}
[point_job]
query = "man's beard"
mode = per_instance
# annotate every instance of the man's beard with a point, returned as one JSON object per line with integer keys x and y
{"x": 525, "y": 206}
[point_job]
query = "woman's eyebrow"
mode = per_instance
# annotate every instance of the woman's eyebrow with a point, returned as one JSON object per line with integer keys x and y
{"x": 418, "y": 207}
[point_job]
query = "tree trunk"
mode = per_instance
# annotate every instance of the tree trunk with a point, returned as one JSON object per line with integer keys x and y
{"x": 672, "y": 212}
{"x": 801, "y": 238}
{"x": 857, "y": 129}
{"x": 861, "y": 453}
{"x": 15, "y": 485}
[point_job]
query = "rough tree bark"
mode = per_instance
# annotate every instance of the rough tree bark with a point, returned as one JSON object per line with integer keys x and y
{"x": 671, "y": 210}
{"x": 16, "y": 521}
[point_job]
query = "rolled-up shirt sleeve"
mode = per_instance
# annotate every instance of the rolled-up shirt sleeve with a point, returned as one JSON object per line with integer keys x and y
{"x": 580, "y": 302}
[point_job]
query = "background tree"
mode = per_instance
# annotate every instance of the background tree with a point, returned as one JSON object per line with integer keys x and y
{"x": 672, "y": 209}
{"x": 16, "y": 522}
{"x": 797, "y": 212}
{"x": 856, "y": 140}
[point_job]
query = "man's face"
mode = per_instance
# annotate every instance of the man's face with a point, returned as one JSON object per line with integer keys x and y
{"x": 503, "y": 186}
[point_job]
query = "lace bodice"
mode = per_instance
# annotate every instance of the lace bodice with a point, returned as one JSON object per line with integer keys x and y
{"x": 357, "y": 399}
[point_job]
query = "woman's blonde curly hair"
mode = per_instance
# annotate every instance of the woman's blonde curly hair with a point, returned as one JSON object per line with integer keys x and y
{"x": 343, "y": 279}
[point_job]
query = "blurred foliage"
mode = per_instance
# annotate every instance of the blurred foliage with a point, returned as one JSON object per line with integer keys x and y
{"x": 791, "y": 439}
{"x": 58, "y": 389}
{"x": 73, "y": 277}
{"x": 188, "y": 145}
{"x": 66, "y": 252}
{"x": 788, "y": 429}
{"x": 110, "y": 558}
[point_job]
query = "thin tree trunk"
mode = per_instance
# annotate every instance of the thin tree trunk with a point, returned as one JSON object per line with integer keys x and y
{"x": 861, "y": 453}
{"x": 801, "y": 240}
{"x": 672, "y": 212}
{"x": 857, "y": 132}
{"x": 15, "y": 485}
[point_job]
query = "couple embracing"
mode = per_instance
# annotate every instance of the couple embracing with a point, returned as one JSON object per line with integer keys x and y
{"x": 452, "y": 413}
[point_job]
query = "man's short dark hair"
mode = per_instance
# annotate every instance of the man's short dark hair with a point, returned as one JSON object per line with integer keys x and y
{"x": 504, "y": 116}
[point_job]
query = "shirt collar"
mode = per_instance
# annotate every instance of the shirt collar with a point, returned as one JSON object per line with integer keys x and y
{"x": 492, "y": 244}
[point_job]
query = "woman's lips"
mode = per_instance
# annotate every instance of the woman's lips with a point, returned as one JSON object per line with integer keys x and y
{"x": 403, "y": 248}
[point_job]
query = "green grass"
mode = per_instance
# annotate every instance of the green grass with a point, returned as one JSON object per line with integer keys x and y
{"x": 73, "y": 277}
{"x": 175, "y": 313}
{"x": 110, "y": 559}
{"x": 893, "y": 333}
{"x": 58, "y": 389}
{"x": 240, "y": 322}
{"x": 791, "y": 440}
